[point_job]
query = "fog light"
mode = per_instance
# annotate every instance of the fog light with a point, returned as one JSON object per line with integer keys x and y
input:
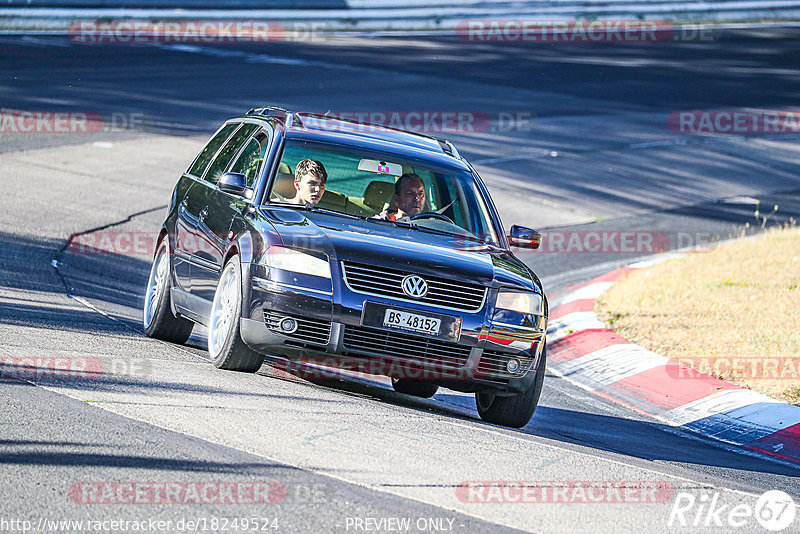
{"x": 288, "y": 325}
{"x": 512, "y": 365}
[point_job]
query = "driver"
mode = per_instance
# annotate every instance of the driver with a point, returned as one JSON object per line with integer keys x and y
{"x": 409, "y": 197}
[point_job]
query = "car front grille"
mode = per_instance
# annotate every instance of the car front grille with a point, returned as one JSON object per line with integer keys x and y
{"x": 312, "y": 331}
{"x": 396, "y": 345}
{"x": 386, "y": 282}
{"x": 494, "y": 363}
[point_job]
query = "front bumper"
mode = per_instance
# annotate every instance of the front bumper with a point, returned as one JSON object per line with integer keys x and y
{"x": 329, "y": 333}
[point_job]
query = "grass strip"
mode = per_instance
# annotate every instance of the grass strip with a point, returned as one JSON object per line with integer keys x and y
{"x": 732, "y": 312}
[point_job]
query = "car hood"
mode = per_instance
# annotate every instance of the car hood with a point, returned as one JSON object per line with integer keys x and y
{"x": 382, "y": 244}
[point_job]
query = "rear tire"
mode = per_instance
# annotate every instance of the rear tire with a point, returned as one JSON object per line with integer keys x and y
{"x": 225, "y": 344}
{"x": 417, "y": 388}
{"x": 515, "y": 411}
{"x": 158, "y": 319}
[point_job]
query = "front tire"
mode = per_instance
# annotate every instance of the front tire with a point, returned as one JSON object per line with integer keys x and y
{"x": 514, "y": 411}
{"x": 417, "y": 388}
{"x": 225, "y": 344}
{"x": 158, "y": 320}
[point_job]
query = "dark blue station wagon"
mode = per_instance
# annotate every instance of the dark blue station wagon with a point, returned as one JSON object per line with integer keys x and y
{"x": 433, "y": 300}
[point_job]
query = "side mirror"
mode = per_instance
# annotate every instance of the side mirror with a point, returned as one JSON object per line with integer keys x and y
{"x": 524, "y": 237}
{"x": 235, "y": 183}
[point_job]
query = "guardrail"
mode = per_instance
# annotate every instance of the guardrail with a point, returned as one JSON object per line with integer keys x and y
{"x": 179, "y": 4}
{"x": 391, "y": 14}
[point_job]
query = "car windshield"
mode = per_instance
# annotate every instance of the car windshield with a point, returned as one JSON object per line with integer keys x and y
{"x": 363, "y": 186}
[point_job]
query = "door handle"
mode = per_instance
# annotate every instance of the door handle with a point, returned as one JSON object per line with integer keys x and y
{"x": 203, "y": 213}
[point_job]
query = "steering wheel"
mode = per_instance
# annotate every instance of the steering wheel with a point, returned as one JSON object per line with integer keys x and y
{"x": 432, "y": 215}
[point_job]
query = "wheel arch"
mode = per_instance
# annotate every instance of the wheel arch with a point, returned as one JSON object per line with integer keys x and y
{"x": 242, "y": 247}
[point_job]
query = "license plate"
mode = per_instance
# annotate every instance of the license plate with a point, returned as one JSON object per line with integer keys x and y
{"x": 412, "y": 322}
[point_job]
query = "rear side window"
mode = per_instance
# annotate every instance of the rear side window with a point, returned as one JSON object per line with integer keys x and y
{"x": 249, "y": 161}
{"x": 201, "y": 162}
{"x": 225, "y": 155}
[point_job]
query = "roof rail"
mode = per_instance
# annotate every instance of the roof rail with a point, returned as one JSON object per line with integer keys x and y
{"x": 289, "y": 118}
{"x": 267, "y": 110}
{"x": 448, "y": 148}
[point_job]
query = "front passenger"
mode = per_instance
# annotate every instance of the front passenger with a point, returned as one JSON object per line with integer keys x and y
{"x": 310, "y": 177}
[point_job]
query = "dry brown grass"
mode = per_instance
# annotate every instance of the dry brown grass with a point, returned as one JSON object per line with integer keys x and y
{"x": 732, "y": 312}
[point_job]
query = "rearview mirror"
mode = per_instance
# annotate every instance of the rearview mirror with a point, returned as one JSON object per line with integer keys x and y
{"x": 235, "y": 183}
{"x": 380, "y": 167}
{"x": 522, "y": 237}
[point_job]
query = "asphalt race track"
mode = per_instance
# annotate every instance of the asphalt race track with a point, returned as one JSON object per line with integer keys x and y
{"x": 569, "y": 138}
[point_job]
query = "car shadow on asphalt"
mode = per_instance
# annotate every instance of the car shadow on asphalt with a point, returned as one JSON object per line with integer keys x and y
{"x": 158, "y": 463}
{"x": 647, "y": 440}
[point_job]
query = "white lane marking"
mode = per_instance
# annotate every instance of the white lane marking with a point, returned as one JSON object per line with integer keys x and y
{"x": 739, "y": 200}
{"x": 571, "y": 323}
{"x": 611, "y": 364}
{"x": 44, "y": 42}
{"x": 247, "y": 56}
{"x": 653, "y": 261}
{"x": 504, "y": 159}
{"x": 660, "y": 142}
{"x": 591, "y": 291}
{"x": 127, "y": 326}
{"x": 250, "y": 57}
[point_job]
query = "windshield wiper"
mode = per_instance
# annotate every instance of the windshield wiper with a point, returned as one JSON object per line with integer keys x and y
{"x": 400, "y": 224}
{"x": 469, "y": 237}
{"x": 317, "y": 209}
{"x": 427, "y": 229}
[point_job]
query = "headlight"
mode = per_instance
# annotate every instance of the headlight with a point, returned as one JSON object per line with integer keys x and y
{"x": 520, "y": 302}
{"x": 289, "y": 259}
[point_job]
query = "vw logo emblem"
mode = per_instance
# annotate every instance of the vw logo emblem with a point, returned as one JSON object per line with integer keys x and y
{"x": 415, "y": 286}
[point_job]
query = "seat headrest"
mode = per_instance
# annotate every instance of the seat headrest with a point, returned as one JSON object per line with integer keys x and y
{"x": 377, "y": 194}
{"x": 333, "y": 200}
{"x": 284, "y": 186}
